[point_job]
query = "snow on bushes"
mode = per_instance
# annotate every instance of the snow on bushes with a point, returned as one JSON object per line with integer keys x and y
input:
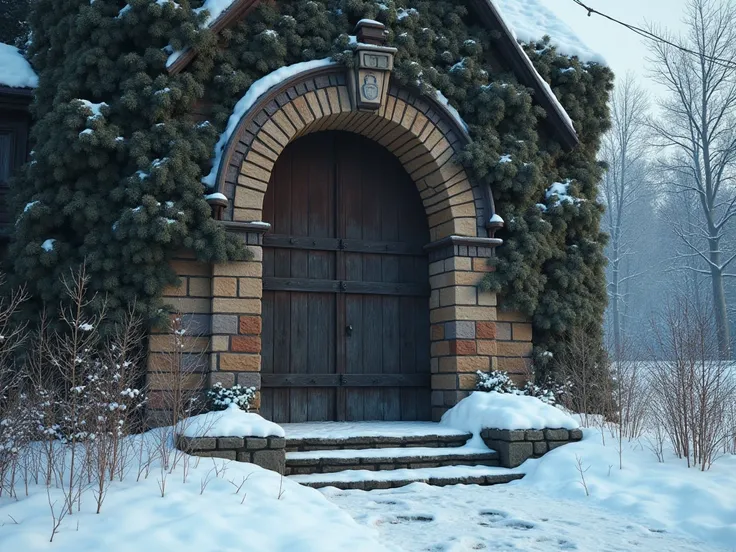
{"x": 501, "y": 382}
{"x": 232, "y": 422}
{"x": 504, "y": 411}
{"x": 220, "y": 397}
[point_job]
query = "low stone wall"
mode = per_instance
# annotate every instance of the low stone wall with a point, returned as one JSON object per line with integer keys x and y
{"x": 514, "y": 447}
{"x": 266, "y": 452}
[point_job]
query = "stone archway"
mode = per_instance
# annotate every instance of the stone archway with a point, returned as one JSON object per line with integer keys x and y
{"x": 424, "y": 136}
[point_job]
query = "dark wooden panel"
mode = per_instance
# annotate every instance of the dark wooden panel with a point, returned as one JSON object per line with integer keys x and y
{"x": 347, "y": 249}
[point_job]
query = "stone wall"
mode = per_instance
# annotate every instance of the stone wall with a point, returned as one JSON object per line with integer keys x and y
{"x": 266, "y": 452}
{"x": 516, "y": 446}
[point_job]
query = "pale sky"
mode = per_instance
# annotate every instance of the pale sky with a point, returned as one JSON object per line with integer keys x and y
{"x": 624, "y": 50}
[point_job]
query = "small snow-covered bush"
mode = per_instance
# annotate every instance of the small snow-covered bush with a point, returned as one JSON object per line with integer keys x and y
{"x": 501, "y": 382}
{"x": 221, "y": 397}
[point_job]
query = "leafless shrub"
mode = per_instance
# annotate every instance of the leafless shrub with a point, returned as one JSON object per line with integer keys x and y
{"x": 582, "y": 471}
{"x": 178, "y": 394}
{"x": 583, "y": 365}
{"x": 693, "y": 392}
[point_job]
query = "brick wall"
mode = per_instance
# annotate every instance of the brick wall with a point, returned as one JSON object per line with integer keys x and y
{"x": 191, "y": 299}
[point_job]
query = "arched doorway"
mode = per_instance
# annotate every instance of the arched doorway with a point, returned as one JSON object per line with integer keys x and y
{"x": 345, "y": 280}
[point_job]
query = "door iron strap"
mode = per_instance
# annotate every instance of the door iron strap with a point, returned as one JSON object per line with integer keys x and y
{"x": 345, "y": 380}
{"x": 311, "y": 285}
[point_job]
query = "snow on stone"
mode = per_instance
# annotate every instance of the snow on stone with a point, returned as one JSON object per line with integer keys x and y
{"x": 48, "y": 245}
{"x": 15, "y": 71}
{"x": 347, "y": 430}
{"x": 531, "y": 20}
{"x": 418, "y": 474}
{"x": 232, "y": 422}
{"x": 388, "y": 452}
{"x": 454, "y": 112}
{"x": 218, "y": 195}
{"x": 256, "y": 90}
{"x": 497, "y": 218}
{"x": 504, "y": 411}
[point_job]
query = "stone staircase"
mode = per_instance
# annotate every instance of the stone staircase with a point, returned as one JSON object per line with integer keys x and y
{"x": 382, "y": 455}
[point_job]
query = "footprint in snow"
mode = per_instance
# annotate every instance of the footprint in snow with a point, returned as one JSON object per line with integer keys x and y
{"x": 520, "y": 524}
{"x": 493, "y": 514}
{"x": 422, "y": 518}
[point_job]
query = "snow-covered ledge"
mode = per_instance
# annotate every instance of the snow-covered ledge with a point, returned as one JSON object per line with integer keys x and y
{"x": 517, "y": 427}
{"x": 233, "y": 434}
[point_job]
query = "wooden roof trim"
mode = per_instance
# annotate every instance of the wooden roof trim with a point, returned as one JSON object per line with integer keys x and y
{"x": 15, "y": 98}
{"x": 237, "y": 11}
{"x": 490, "y": 18}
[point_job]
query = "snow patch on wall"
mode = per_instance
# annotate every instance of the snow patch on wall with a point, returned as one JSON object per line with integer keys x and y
{"x": 15, "y": 71}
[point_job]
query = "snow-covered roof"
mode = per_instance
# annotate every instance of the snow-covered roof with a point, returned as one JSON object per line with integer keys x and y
{"x": 15, "y": 71}
{"x": 530, "y": 20}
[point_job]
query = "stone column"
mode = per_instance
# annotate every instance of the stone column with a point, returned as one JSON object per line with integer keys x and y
{"x": 237, "y": 290}
{"x": 463, "y": 330}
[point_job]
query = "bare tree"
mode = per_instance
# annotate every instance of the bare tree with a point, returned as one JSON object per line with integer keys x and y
{"x": 624, "y": 149}
{"x": 698, "y": 123}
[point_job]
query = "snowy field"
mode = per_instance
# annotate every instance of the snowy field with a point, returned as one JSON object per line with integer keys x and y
{"x": 202, "y": 504}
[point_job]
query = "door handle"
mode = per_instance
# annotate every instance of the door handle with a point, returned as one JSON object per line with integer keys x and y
{"x": 349, "y": 330}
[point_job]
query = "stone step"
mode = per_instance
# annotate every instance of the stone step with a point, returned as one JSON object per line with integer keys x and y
{"x": 380, "y": 459}
{"x": 314, "y": 436}
{"x": 439, "y": 477}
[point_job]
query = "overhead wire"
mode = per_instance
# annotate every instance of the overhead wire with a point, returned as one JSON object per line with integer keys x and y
{"x": 726, "y": 63}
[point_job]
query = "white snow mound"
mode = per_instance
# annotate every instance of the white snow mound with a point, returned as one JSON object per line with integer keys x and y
{"x": 15, "y": 71}
{"x": 483, "y": 410}
{"x": 232, "y": 422}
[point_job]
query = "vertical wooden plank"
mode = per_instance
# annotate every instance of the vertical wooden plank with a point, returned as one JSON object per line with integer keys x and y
{"x": 267, "y": 352}
{"x": 299, "y": 268}
{"x": 408, "y": 356}
{"x": 354, "y": 356}
{"x": 281, "y": 336}
{"x": 322, "y": 307}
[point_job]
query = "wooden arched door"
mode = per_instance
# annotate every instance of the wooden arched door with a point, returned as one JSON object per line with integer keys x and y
{"x": 346, "y": 292}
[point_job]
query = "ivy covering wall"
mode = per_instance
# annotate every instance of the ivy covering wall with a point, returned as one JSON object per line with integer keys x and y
{"x": 127, "y": 195}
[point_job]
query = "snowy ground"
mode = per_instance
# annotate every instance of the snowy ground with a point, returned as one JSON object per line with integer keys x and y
{"x": 646, "y": 506}
{"x": 268, "y": 513}
{"x": 506, "y": 517}
{"x": 230, "y": 506}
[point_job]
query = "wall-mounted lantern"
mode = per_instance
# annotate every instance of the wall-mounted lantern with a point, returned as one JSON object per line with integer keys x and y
{"x": 374, "y": 62}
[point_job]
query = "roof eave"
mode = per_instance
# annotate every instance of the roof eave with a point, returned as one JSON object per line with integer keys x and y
{"x": 527, "y": 74}
{"x": 490, "y": 17}
{"x": 15, "y": 98}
